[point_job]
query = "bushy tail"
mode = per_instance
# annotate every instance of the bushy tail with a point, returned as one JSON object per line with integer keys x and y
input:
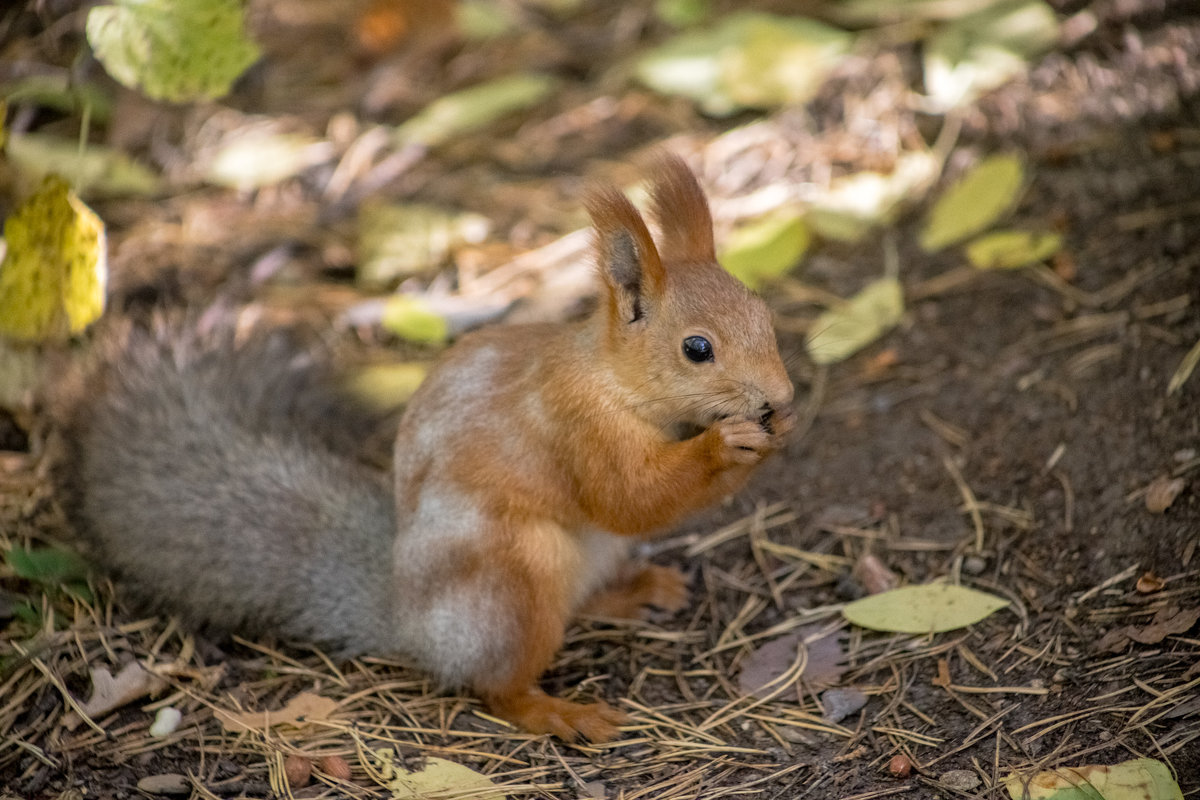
{"x": 215, "y": 479}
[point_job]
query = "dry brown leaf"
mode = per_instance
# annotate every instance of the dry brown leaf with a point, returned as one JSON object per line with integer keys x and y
{"x": 1167, "y": 622}
{"x": 1150, "y": 583}
{"x": 873, "y": 575}
{"x": 1161, "y": 493}
{"x": 303, "y": 708}
{"x": 132, "y": 682}
{"x": 771, "y": 661}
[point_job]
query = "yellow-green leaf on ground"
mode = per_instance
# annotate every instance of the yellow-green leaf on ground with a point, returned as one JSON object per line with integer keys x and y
{"x": 95, "y": 171}
{"x": 395, "y": 241}
{"x": 746, "y": 60}
{"x": 1012, "y": 249}
{"x": 856, "y": 203}
{"x": 411, "y": 318}
{"x": 61, "y": 92}
{"x": 1185, "y": 369}
{"x": 20, "y": 373}
{"x": 258, "y": 158}
{"x": 930, "y": 608}
{"x": 1137, "y": 779}
{"x": 54, "y": 270}
{"x": 386, "y": 387}
{"x": 683, "y": 13}
{"x": 175, "y": 50}
{"x": 974, "y": 202}
{"x": 766, "y": 248}
{"x": 437, "y": 778}
{"x": 844, "y": 330}
{"x": 976, "y": 53}
{"x": 472, "y": 109}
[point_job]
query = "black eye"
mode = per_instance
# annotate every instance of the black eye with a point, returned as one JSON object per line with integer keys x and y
{"x": 697, "y": 349}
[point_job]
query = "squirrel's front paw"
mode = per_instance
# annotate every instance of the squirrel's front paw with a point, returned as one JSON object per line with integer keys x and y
{"x": 741, "y": 441}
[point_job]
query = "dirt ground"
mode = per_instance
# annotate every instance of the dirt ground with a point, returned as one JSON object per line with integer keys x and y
{"x": 1011, "y": 433}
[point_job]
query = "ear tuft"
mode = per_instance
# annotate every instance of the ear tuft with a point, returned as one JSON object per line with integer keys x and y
{"x": 681, "y": 211}
{"x": 626, "y": 255}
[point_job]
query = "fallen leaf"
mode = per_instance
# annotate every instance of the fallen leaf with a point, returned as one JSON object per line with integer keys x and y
{"x": 437, "y": 778}
{"x": 842, "y": 331}
{"x": 1012, "y": 249}
{"x": 469, "y": 110}
{"x": 1138, "y": 779}
{"x": 409, "y": 317}
{"x": 1184, "y": 370}
{"x": 1169, "y": 621}
{"x": 395, "y": 241}
{"x": 854, "y": 204}
{"x": 765, "y": 248}
{"x": 54, "y": 271}
{"x": 763, "y": 668}
{"x": 133, "y": 682}
{"x": 974, "y": 202}
{"x": 174, "y": 50}
{"x": 683, "y": 13}
{"x": 930, "y": 608}
{"x": 1161, "y": 493}
{"x": 975, "y": 53}
{"x": 253, "y": 158}
{"x": 170, "y": 783}
{"x": 746, "y": 59}
{"x": 386, "y": 387}
{"x": 303, "y": 708}
{"x": 94, "y": 170}
{"x": 46, "y": 565}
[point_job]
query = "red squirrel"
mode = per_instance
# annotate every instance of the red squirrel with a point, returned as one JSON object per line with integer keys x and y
{"x": 525, "y": 466}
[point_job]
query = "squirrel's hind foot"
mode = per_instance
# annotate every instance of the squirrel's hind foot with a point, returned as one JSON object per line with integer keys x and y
{"x": 537, "y": 712}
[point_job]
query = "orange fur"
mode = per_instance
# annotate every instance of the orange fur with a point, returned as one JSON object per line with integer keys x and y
{"x": 540, "y": 449}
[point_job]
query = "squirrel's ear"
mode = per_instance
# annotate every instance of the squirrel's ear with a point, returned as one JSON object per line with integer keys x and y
{"x": 679, "y": 207}
{"x": 628, "y": 260}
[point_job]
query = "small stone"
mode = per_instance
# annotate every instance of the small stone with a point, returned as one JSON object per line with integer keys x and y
{"x": 170, "y": 783}
{"x": 297, "y": 770}
{"x": 165, "y": 722}
{"x": 335, "y": 767}
{"x": 974, "y": 565}
{"x": 1161, "y": 493}
{"x": 962, "y": 780}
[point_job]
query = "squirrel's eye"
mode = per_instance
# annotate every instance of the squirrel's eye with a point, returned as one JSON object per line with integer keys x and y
{"x": 697, "y": 349}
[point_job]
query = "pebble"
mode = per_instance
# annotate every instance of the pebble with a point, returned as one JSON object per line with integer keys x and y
{"x": 962, "y": 780}
{"x": 171, "y": 783}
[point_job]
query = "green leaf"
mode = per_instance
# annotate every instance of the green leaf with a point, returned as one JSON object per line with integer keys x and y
{"x": 1137, "y": 779}
{"x": 95, "y": 171}
{"x": 410, "y": 318}
{"x": 53, "y": 274}
{"x": 395, "y": 241}
{"x": 856, "y": 203}
{"x": 1012, "y": 249}
{"x": 61, "y": 93}
{"x": 683, "y": 13}
{"x": 472, "y": 109}
{"x": 174, "y": 50}
{"x": 766, "y": 248}
{"x": 931, "y": 608}
{"x": 256, "y": 158}
{"x": 974, "y": 203}
{"x": 842, "y": 331}
{"x": 50, "y": 566}
{"x": 979, "y": 52}
{"x": 746, "y": 60}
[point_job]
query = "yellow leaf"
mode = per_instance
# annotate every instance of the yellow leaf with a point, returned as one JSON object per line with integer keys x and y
{"x": 1137, "y": 779}
{"x": 765, "y": 248}
{"x": 303, "y": 708}
{"x": 974, "y": 203}
{"x": 410, "y": 318}
{"x": 931, "y": 608}
{"x": 387, "y": 386}
{"x": 1184, "y": 370}
{"x": 397, "y": 240}
{"x": 54, "y": 270}
{"x": 842, "y": 331}
{"x": 472, "y": 109}
{"x": 1012, "y": 249}
{"x": 437, "y": 778}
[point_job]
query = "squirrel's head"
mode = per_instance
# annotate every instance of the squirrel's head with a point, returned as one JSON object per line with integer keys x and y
{"x": 686, "y": 338}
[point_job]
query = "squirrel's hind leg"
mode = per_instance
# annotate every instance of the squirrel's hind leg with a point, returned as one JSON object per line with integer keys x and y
{"x": 633, "y": 595}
